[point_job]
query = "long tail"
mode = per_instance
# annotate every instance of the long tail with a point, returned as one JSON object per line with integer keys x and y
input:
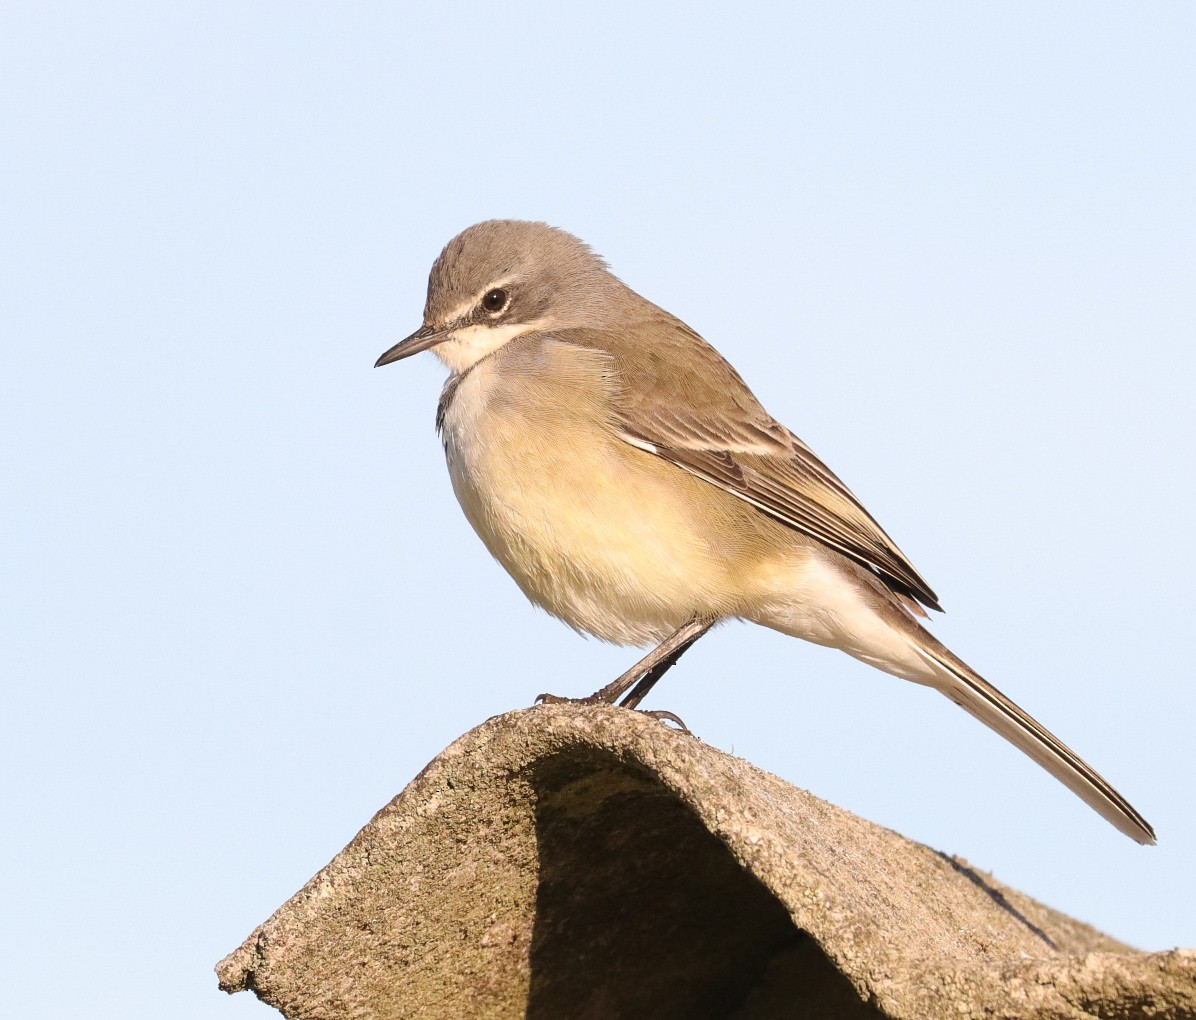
{"x": 977, "y": 696}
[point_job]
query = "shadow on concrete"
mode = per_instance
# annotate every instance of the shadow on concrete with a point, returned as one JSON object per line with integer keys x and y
{"x": 641, "y": 912}
{"x": 998, "y": 898}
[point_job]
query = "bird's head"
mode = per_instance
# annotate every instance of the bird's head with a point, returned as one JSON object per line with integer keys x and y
{"x": 500, "y": 279}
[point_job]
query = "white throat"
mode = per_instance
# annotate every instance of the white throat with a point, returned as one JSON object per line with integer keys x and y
{"x": 470, "y": 345}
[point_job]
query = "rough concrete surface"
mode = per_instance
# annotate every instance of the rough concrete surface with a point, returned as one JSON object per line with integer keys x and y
{"x": 565, "y": 862}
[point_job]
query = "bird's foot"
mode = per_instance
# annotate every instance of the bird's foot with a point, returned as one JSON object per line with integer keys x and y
{"x": 662, "y": 716}
{"x": 594, "y": 699}
{"x": 556, "y": 699}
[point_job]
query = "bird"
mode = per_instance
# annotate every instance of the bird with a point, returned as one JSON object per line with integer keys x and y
{"x": 626, "y": 477}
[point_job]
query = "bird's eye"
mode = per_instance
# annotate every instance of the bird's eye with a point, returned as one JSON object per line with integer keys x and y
{"x": 494, "y": 300}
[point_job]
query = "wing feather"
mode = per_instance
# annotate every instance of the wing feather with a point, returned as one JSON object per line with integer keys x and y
{"x": 681, "y": 401}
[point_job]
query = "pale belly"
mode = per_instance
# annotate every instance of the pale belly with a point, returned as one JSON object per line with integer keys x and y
{"x": 601, "y": 535}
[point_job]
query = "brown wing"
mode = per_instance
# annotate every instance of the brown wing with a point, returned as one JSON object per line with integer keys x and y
{"x": 735, "y": 444}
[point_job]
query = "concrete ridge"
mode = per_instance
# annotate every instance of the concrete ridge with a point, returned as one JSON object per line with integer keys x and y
{"x": 566, "y": 862}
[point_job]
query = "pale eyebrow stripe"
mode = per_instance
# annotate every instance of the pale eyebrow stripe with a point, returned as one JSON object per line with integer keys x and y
{"x": 467, "y": 306}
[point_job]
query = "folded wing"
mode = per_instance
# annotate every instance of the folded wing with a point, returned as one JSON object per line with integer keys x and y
{"x": 732, "y": 442}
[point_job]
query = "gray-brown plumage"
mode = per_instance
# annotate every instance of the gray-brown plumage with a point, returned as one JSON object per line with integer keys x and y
{"x": 632, "y": 485}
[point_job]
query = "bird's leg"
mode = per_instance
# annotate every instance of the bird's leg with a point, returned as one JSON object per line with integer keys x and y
{"x": 644, "y": 674}
{"x": 656, "y": 665}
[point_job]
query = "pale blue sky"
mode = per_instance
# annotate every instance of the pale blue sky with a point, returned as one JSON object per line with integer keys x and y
{"x": 952, "y": 246}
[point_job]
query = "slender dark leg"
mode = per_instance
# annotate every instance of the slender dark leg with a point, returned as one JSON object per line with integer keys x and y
{"x": 655, "y": 670}
{"x": 645, "y": 673}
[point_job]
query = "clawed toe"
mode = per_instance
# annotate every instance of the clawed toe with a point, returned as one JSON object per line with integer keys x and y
{"x": 661, "y": 716}
{"x": 556, "y": 699}
{"x": 657, "y": 714}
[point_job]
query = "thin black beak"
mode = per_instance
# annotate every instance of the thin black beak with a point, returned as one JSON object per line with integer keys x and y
{"x": 420, "y": 340}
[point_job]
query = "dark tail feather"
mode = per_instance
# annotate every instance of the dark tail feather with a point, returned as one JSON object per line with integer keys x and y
{"x": 977, "y": 696}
